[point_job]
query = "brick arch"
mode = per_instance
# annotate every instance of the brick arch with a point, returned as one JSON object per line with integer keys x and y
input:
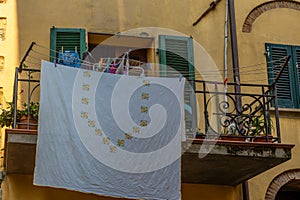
{"x": 260, "y": 9}
{"x": 280, "y": 181}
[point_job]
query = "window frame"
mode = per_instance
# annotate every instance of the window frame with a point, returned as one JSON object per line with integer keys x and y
{"x": 191, "y": 72}
{"x": 293, "y": 100}
{"x": 53, "y": 40}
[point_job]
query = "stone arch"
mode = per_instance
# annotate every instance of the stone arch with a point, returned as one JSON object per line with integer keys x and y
{"x": 280, "y": 181}
{"x": 260, "y": 9}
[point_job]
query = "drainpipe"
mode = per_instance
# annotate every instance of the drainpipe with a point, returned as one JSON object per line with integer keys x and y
{"x": 235, "y": 56}
{"x": 226, "y": 52}
{"x": 236, "y": 74}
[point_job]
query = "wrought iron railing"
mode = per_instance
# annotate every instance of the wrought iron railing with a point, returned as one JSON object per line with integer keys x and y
{"x": 220, "y": 111}
{"x": 25, "y": 76}
{"x": 224, "y": 118}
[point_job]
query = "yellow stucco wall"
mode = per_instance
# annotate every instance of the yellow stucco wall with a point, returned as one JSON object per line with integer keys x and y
{"x": 31, "y": 20}
{"x": 19, "y": 187}
{"x": 279, "y": 26}
{"x": 9, "y": 48}
{"x": 289, "y": 125}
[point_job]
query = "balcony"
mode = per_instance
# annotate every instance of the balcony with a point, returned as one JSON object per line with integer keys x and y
{"x": 239, "y": 135}
{"x": 226, "y": 162}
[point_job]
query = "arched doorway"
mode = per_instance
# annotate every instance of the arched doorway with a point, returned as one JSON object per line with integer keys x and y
{"x": 290, "y": 191}
{"x": 285, "y": 186}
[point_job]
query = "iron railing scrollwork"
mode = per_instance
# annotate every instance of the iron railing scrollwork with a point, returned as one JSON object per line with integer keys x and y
{"x": 223, "y": 116}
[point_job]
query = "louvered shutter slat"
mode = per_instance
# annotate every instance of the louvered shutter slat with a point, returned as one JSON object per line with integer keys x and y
{"x": 296, "y": 59}
{"x": 174, "y": 53}
{"x": 275, "y": 58}
{"x": 68, "y": 39}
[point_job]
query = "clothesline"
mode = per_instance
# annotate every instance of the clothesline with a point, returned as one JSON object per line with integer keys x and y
{"x": 112, "y": 65}
{"x": 120, "y": 65}
{"x": 105, "y": 60}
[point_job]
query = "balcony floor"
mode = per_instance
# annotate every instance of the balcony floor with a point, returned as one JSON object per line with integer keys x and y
{"x": 228, "y": 162}
{"x": 19, "y": 153}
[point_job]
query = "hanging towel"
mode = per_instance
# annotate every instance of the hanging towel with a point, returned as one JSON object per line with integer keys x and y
{"x": 69, "y": 58}
{"x": 109, "y": 135}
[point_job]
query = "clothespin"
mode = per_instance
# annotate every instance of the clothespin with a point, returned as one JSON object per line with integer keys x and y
{"x": 225, "y": 81}
{"x": 101, "y": 62}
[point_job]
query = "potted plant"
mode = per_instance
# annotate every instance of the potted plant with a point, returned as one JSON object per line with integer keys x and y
{"x": 29, "y": 116}
{"x": 26, "y": 117}
{"x": 255, "y": 130}
{"x": 231, "y": 132}
{"x": 7, "y": 115}
{"x": 259, "y": 130}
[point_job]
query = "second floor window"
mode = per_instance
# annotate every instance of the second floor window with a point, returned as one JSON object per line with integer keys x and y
{"x": 176, "y": 55}
{"x": 67, "y": 39}
{"x": 288, "y": 86}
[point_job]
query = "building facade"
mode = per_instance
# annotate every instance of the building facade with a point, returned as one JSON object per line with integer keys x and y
{"x": 267, "y": 32}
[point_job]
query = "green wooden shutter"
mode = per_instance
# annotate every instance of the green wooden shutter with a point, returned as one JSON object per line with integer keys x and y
{"x": 296, "y": 63}
{"x": 69, "y": 39}
{"x": 285, "y": 86}
{"x": 176, "y": 56}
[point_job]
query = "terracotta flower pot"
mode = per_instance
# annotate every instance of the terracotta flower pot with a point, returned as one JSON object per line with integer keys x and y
{"x": 263, "y": 139}
{"x": 26, "y": 123}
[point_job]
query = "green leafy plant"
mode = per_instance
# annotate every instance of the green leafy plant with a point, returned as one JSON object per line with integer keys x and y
{"x": 31, "y": 110}
{"x": 7, "y": 114}
{"x": 255, "y": 126}
{"x": 258, "y": 126}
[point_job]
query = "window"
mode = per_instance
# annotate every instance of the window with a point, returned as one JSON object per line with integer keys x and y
{"x": 67, "y": 39}
{"x": 176, "y": 55}
{"x": 288, "y": 86}
{"x": 102, "y": 45}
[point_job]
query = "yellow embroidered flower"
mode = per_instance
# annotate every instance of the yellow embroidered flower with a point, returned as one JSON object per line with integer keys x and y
{"x": 136, "y": 129}
{"x": 85, "y": 101}
{"x": 146, "y": 83}
{"x": 91, "y": 123}
{"x": 112, "y": 149}
{"x": 106, "y": 140}
{"x": 98, "y": 132}
{"x": 128, "y": 136}
{"x": 143, "y": 123}
{"x": 145, "y": 96}
{"x": 144, "y": 109}
{"x": 84, "y": 115}
{"x": 86, "y": 87}
{"x": 121, "y": 143}
{"x": 87, "y": 74}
